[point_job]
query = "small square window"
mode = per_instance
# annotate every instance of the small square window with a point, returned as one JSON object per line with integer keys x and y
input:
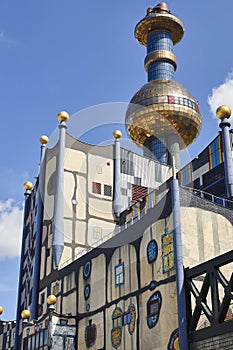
{"x": 181, "y": 100}
{"x": 108, "y": 190}
{"x": 171, "y": 99}
{"x": 96, "y": 187}
{"x": 97, "y": 232}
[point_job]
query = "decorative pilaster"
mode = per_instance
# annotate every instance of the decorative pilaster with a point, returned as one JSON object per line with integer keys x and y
{"x": 28, "y": 190}
{"x": 58, "y": 218}
{"x": 117, "y": 174}
{"x": 223, "y": 113}
{"x": 39, "y": 224}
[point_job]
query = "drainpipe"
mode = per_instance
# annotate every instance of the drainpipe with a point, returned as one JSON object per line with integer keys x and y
{"x": 224, "y": 113}
{"x": 180, "y": 281}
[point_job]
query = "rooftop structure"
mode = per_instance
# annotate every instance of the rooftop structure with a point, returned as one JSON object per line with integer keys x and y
{"x": 163, "y": 115}
{"x": 126, "y": 251}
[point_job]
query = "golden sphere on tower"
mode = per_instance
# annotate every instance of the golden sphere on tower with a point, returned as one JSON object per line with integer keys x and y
{"x": 160, "y": 108}
{"x": 117, "y": 134}
{"x": 223, "y": 112}
{"x": 51, "y": 300}
{"x": 28, "y": 185}
{"x": 44, "y": 139}
{"x": 1, "y": 310}
{"x": 25, "y": 314}
{"x": 63, "y": 116}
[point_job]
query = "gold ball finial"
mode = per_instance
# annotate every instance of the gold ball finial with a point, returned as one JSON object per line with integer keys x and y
{"x": 27, "y": 185}
{"x": 1, "y": 310}
{"x": 44, "y": 139}
{"x": 25, "y": 314}
{"x": 117, "y": 134}
{"x": 223, "y": 112}
{"x": 51, "y": 300}
{"x": 63, "y": 116}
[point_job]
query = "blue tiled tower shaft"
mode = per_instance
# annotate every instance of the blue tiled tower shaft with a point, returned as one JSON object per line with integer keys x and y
{"x": 161, "y": 69}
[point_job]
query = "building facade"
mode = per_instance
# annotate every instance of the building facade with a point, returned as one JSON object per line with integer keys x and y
{"x": 115, "y": 243}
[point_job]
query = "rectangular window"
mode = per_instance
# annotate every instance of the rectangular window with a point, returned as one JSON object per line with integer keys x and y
{"x": 168, "y": 262}
{"x": 171, "y": 99}
{"x": 108, "y": 190}
{"x": 96, "y": 187}
{"x": 119, "y": 274}
{"x": 215, "y": 152}
{"x": 185, "y": 175}
{"x": 41, "y": 339}
{"x": 56, "y": 288}
{"x": 97, "y": 232}
{"x": 138, "y": 192}
{"x": 176, "y": 99}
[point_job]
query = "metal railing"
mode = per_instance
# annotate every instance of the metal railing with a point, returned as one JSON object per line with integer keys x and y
{"x": 224, "y": 202}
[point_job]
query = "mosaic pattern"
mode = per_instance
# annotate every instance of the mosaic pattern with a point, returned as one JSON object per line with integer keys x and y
{"x": 174, "y": 341}
{"x": 116, "y": 332}
{"x": 87, "y": 291}
{"x": 153, "y": 309}
{"x": 87, "y": 270}
{"x": 152, "y": 251}
{"x": 168, "y": 260}
{"x": 120, "y": 319}
{"x": 90, "y": 334}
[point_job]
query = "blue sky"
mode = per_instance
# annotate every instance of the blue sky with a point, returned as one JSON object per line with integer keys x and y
{"x": 72, "y": 55}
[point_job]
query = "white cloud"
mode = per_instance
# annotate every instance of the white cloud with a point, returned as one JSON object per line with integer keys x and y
{"x": 222, "y": 95}
{"x": 11, "y": 225}
{"x": 5, "y": 39}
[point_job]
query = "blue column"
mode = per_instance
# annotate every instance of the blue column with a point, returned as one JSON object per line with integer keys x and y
{"x": 117, "y": 174}
{"x": 27, "y": 205}
{"x": 58, "y": 218}
{"x": 39, "y": 226}
{"x": 161, "y": 69}
{"x": 227, "y": 151}
{"x": 180, "y": 286}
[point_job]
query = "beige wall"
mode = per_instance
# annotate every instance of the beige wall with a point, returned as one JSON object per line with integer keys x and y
{"x": 205, "y": 235}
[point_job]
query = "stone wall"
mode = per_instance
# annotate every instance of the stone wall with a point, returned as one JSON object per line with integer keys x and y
{"x": 220, "y": 342}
